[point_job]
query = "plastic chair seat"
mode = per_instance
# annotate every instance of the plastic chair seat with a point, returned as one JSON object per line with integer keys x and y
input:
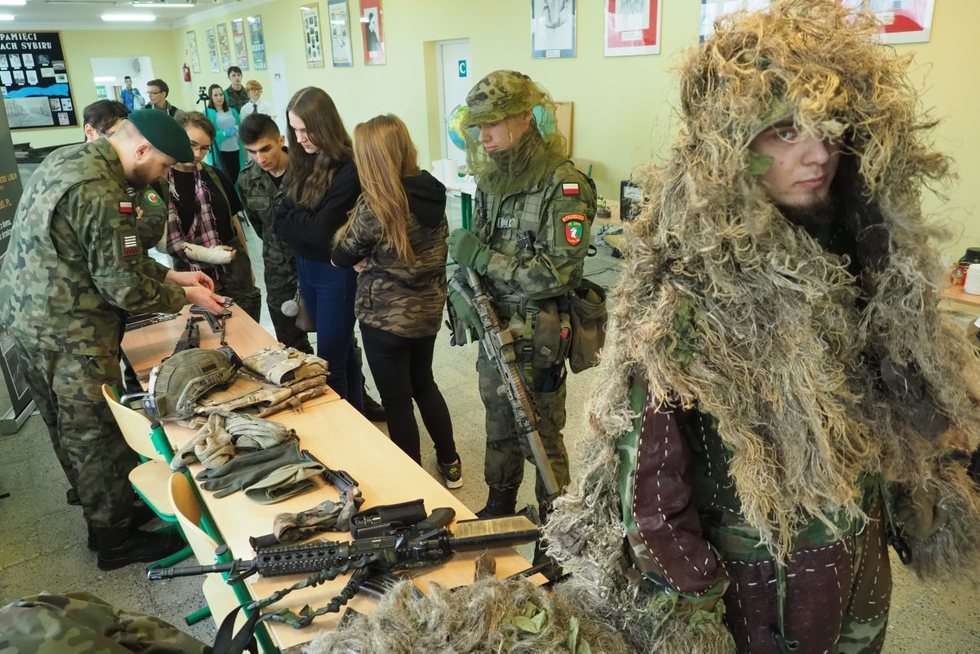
{"x": 151, "y": 481}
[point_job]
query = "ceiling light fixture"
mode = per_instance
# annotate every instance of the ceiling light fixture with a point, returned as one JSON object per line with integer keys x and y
{"x": 128, "y": 18}
{"x": 163, "y": 5}
{"x": 12, "y": 3}
{"x": 6, "y": 16}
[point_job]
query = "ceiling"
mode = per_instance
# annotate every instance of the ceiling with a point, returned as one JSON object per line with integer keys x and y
{"x": 85, "y": 14}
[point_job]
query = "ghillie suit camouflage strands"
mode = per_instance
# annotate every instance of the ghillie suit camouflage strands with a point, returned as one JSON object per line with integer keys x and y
{"x": 726, "y": 305}
{"x": 491, "y": 615}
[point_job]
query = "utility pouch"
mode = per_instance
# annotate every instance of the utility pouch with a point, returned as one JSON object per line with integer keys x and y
{"x": 546, "y": 337}
{"x": 589, "y": 316}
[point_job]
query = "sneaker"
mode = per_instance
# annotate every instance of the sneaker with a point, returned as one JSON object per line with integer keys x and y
{"x": 452, "y": 473}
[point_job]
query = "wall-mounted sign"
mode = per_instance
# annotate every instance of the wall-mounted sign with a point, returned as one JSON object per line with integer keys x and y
{"x": 34, "y": 80}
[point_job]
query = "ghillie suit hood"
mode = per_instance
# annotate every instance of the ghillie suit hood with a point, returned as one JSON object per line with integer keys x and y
{"x": 509, "y": 617}
{"x": 726, "y": 306}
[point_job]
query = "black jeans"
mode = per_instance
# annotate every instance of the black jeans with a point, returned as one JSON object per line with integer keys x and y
{"x": 402, "y": 369}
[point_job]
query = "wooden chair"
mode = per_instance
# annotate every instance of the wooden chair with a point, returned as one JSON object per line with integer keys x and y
{"x": 221, "y": 597}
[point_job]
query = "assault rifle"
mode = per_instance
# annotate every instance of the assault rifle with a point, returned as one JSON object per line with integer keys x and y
{"x": 498, "y": 343}
{"x": 140, "y": 320}
{"x": 191, "y": 336}
{"x": 426, "y": 544}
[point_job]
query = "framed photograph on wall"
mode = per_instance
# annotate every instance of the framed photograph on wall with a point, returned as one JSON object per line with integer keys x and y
{"x": 712, "y": 10}
{"x": 190, "y": 40}
{"x": 553, "y": 29}
{"x": 903, "y": 21}
{"x": 212, "y": 40}
{"x": 224, "y": 45}
{"x": 338, "y": 17}
{"x": 373, "y": 32}
{"x": 632, "y": 27}
{"x": 257, "y": 39}
{"x": 241, "y": 45}
{"x": 310, "y": 15}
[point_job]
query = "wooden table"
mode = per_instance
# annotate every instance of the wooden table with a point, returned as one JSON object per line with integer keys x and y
{"x": 962, "y": 300}
{"x": 343, "y": 439}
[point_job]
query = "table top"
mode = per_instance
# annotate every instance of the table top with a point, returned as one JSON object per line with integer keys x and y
{"x": 343, "y": 439}
{"x": 957, "y": 294}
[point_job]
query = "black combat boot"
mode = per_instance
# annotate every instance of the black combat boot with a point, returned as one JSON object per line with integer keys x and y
{"x": 120, "y": 547}
{"x": 501, "y": 501}
{"x": 142, "y": 514}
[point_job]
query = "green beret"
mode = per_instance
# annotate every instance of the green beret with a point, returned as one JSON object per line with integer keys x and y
{"x": 164, "y": 133}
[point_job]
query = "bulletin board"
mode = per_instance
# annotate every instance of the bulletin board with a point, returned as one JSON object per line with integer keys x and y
{"x": 34, "y": 81}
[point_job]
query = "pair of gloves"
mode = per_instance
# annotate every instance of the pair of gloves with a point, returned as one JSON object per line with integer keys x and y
{"x": 266, "y": 476}
{"x": 225, "y": 435}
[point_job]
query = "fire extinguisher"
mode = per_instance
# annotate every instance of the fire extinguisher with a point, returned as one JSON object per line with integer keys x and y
{"x": 187, "y": 73}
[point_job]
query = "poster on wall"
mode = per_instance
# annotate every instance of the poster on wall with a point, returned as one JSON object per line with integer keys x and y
{"x": 552, "y": 29}
{"x": 257, "y": 39}
{"x": 310, "y": 16}
{"x": 192, "y": 54}
{"x": 213, "y": 50}
{"x": 35, "y": 86}
{"x": 372, "y": 31}
{"x": 224, "y": 46}
{"x": 713, "y": 10}
{"x": 338, "y": 17}
{"x": 241, "y": 45}
{"x": 632, "y": 27}
{"x": 903, "y": 21}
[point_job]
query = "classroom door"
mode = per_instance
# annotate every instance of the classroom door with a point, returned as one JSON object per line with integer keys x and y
{"x": 455, "y": 83}
{"x": 279, "y": 98}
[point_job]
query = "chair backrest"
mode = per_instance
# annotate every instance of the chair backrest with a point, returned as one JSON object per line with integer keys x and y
{"x": 135, "y": 427}
{"x": 187, "y": 508}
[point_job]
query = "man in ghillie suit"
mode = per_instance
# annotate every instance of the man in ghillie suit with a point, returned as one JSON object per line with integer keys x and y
{"x": 780, "y": 397}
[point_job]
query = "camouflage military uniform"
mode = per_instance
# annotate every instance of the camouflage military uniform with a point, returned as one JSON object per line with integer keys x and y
{"x": 74, "y": 266}
{"x": 151, "y": 215}
{"x": 79, "y": 623}
{"x": 533, "y": 259}
{"x": 258, "y": 192}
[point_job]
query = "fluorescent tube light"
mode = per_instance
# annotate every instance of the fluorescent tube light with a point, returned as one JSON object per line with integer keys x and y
{"x": 128, "y": 18}
{"x": 6, "y": 16}
{"x": 12, "y": 3}
{"x": 163, "y": 5}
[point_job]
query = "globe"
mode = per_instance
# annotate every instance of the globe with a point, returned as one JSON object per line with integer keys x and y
{"x": 457, "y": 133}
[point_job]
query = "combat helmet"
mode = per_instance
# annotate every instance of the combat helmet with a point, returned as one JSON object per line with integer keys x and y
{"x": 181, "y": 380}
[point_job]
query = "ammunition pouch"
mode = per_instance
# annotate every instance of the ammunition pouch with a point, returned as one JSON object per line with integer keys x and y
{"x": 550, "y": 334}
{"x": 587, "y": 306}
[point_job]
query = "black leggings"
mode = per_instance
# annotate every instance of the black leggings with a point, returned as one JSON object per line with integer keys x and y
{"x": 229, "y": 164}
{"x": 402, "y": 369}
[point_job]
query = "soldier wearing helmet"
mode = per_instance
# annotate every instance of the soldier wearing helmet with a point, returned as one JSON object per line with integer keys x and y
{"x": 532, "y": 215}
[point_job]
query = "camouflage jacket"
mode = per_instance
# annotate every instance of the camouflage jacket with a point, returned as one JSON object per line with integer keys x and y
{"x": 151, "y": 214}
{"x": 75, "y": 262}
{"x": 259, "y": 192}
{"x": 399, "y": 297}
{"x": 539, "y": 237}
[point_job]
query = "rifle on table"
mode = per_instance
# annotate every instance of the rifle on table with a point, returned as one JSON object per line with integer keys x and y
{"x": 428, "y": 543}
{"x": 216, "y": 323}
{"x": 140, "y": 320}
{"x": 191, "y": 336}
{"x": 498, "y": 343}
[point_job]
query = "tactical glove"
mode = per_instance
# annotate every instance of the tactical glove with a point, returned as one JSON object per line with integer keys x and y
{"x": 251, "y": 433}
{"x": 461, "y": 311}
{"x": 326, "y": 516}
{"x": 285, "y": 481}
{"x": 211, "y": 445}
{"x": 246, "y": 469}
{"x": 467, "y": 250}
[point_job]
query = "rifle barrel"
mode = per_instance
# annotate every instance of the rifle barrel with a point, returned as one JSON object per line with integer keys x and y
{"x": 187, "y": 571}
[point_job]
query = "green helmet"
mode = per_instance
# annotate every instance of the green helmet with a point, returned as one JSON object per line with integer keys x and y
{"x": 184, "y": 378}
{"x": 500, "y": 94}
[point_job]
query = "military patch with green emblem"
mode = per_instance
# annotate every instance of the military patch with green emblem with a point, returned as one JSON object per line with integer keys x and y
{"x": 153, "y": 198}
{"x": 574, "y": 227}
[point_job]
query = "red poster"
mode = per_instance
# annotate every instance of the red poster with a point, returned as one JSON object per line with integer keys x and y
{"x": 632, "y": 27}
{"x": 372, "y": 32}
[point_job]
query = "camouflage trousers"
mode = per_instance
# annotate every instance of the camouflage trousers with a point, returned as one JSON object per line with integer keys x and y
{"x": 506, "y": 450}
{"x": 79, "y": 623}
{"x": 837, "y": 594}
{"x": 67, "y": 392}
{"x": 280, "y": 286}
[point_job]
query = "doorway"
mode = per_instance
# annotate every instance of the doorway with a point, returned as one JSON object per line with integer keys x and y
{"x": 453, "y": 62}
{"x": 108, "y": 74}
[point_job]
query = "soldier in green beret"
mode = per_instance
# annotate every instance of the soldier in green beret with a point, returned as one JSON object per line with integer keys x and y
{"x": 74, "y": 266}
{"x": 530, "y": 237}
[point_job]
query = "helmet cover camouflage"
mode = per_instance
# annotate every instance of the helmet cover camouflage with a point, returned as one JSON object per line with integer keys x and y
{"x": 500, "y": 94}
{"x": 181, "y": 380}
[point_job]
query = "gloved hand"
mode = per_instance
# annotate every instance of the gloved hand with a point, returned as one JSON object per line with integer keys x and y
{"x": 462, "y": 311}
{"x": 285, "y": 481}
{"x": 467, "y": 250}
{"x": 251, "y": 433}
{"x": 246, "y": 469}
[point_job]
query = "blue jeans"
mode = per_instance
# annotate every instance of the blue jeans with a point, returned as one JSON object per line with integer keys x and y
{"x": 328, "y": 293}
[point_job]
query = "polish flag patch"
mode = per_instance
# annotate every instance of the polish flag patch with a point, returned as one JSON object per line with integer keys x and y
{"x": 569, "y": 189}
{"x": 125, "y": 207}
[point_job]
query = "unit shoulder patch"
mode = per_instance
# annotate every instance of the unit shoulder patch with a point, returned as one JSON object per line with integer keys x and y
{"x": 574, "y": 227}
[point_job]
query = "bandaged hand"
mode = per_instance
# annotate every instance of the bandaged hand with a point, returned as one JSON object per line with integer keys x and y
{"x": 218, "y": 255}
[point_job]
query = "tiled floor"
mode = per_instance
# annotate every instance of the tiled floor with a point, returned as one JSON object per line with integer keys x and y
{"x": 42, "y": 540}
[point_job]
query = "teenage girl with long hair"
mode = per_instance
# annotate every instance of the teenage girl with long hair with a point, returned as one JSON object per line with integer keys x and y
{"x": 321, "y": 187}
{"x": 397, "y": 234}
{"x": 227, "y": 154}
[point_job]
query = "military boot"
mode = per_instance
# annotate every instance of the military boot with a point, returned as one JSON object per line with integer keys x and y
{"x": 501, "y": 501}
{"x": 142, "y": 514}
{"x": 121, "y": 547}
